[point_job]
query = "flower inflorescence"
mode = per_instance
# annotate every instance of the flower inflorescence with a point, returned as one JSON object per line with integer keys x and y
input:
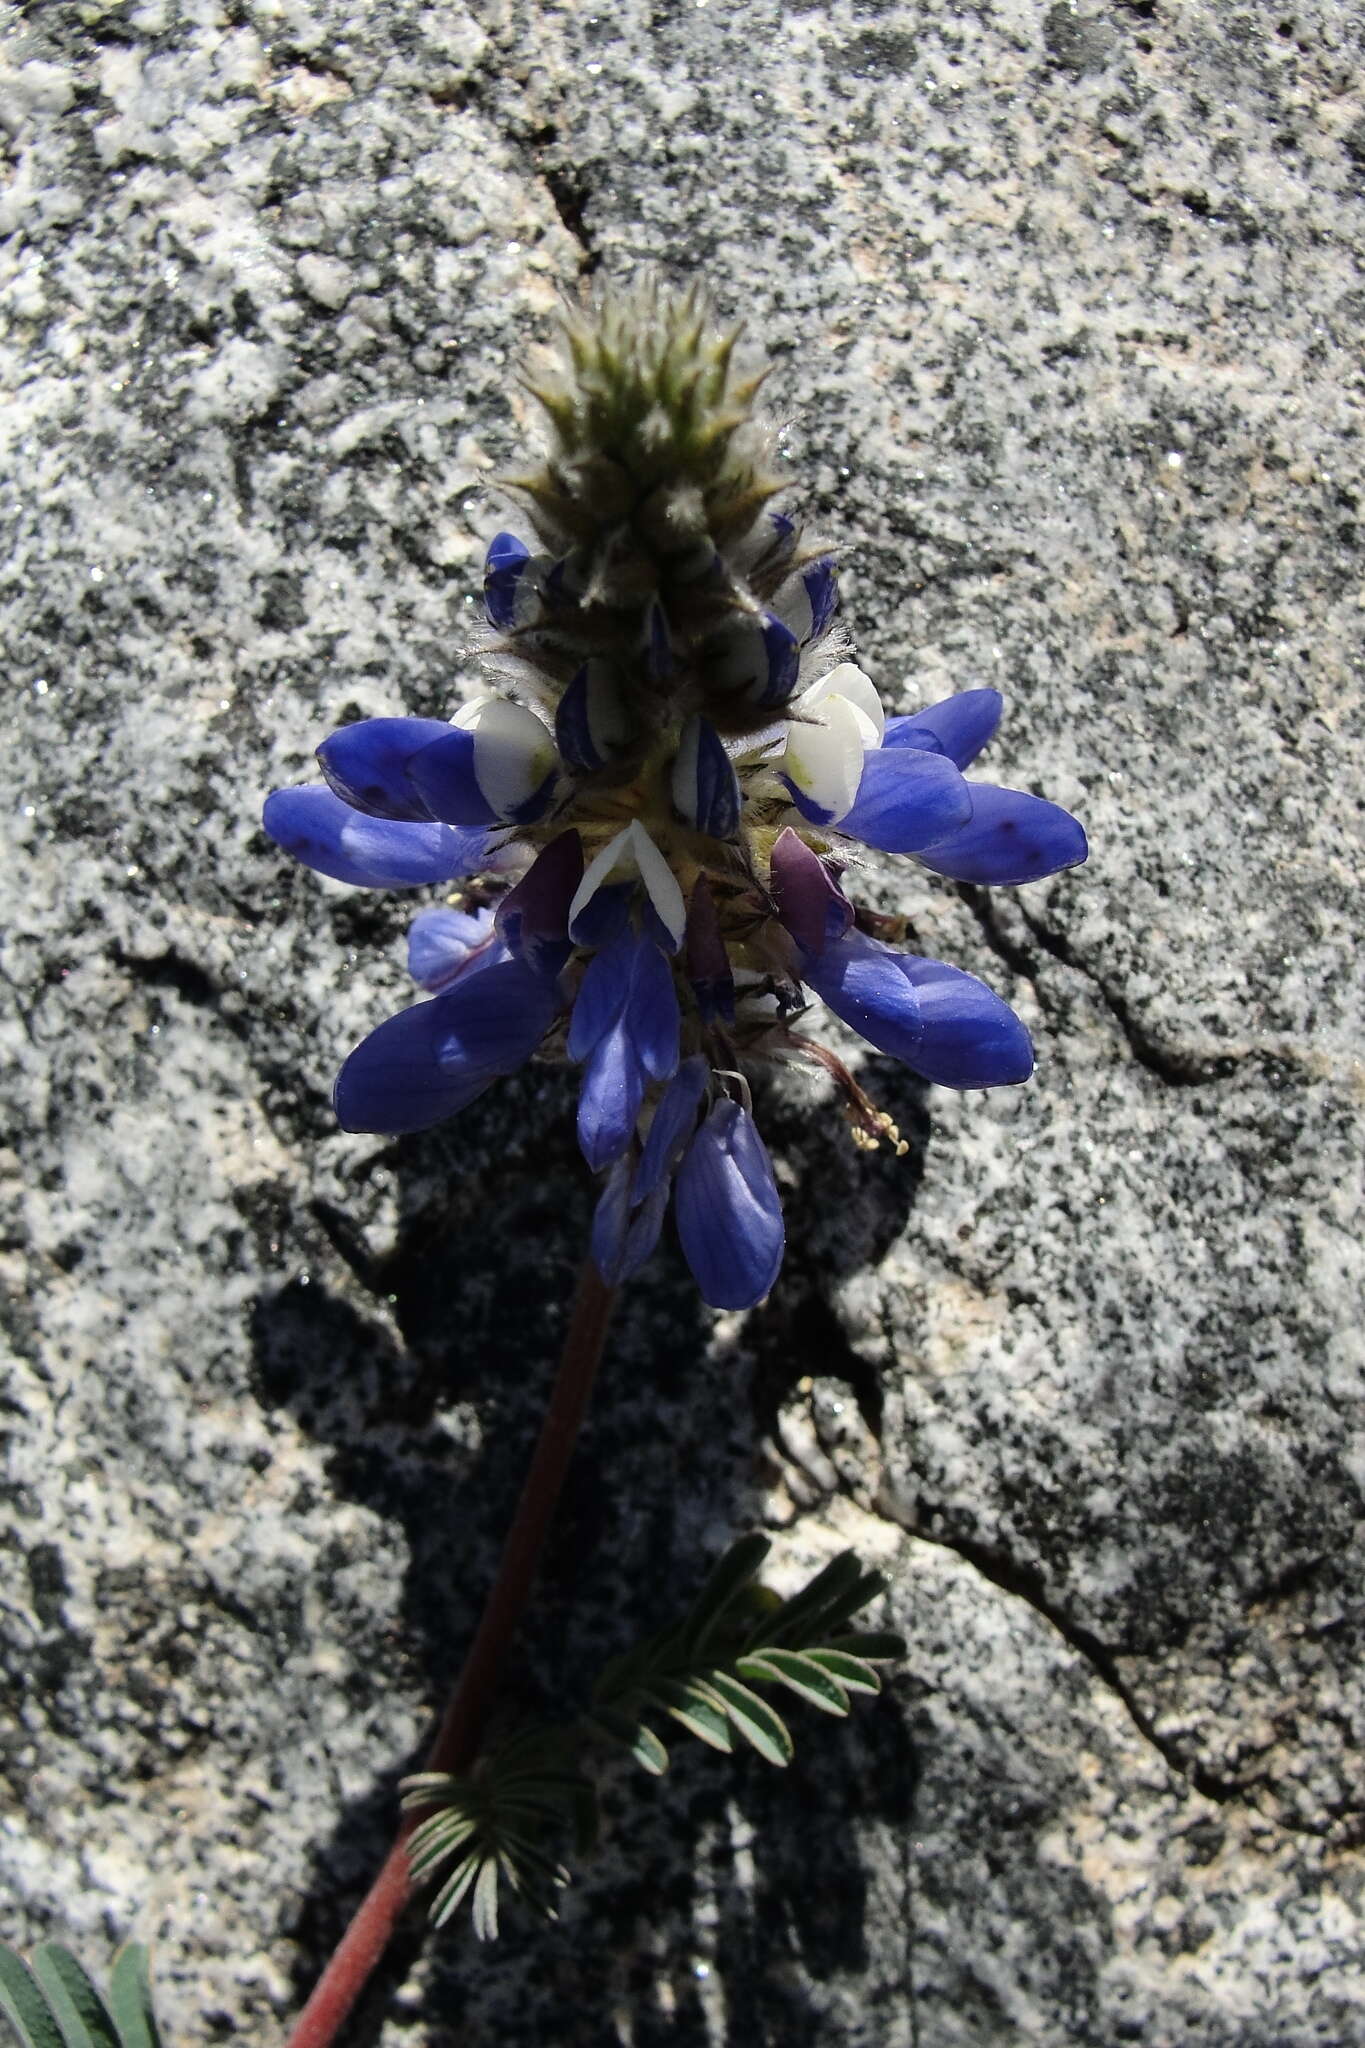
{"x": 654, "y": 807}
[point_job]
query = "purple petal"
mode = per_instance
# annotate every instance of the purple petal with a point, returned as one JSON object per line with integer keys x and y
{"x": 674, "y": 1121}
{"x": 366, "y": 764}
{"x": 958, "y": 727}
{"x": 946, "y": 1025}
{"x": 1012, "y": 838}
{"x": 609, "y": 1099}
{"x": 708, "y": 963}
{"x": 907, "y": 800}
{"x": 533, "y": 917}
{"x": 327, "y": 835}
{"x": 444, "y": 944}
{"x": 728, "y": 1211}
{"x": 443, "y": 776}
{"x": 809, "y": 901}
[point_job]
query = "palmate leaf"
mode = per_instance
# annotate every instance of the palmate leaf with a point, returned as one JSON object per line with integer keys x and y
{"x": 51, "y": 2002}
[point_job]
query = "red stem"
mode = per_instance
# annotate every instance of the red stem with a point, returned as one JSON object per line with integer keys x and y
{"x": 456, "y": 1744}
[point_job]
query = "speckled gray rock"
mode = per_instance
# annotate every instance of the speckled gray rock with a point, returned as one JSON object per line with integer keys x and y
{"x": 1066, "y": 306}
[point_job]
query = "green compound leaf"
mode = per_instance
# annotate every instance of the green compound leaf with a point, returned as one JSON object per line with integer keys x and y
{"x": 23, "y": 2005}
{"x": 809, "y": 1680}
{"x": 762, "y": 1727}
{"x": 852, "y": 1673}
{"x": 701, "y": 1713}
{"x": 727, "y": 1581}
{"x": 130, "y": 1998}
{"x": 494, "y": 1826}
{"x": 78, "y": 2008}
{"x": 879, "y": 1645}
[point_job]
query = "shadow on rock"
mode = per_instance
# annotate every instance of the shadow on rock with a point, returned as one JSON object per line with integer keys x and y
{"x": 433, "y": 1433}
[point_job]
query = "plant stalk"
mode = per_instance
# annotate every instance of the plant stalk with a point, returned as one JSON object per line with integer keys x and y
{"x": 457, "y": 1738}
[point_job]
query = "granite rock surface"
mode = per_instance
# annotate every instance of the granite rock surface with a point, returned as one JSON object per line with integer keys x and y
{"x": 1065, "y": 306}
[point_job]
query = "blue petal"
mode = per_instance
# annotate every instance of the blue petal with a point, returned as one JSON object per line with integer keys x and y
{"x": 971, "y": 1039}
{"x": 865, "y": 983}
{"x": 497, "y": 1018}
{"x": 729, "y": 1215}
{"x": 366, "y": 764}
{"x": 394, "y": 1081}
{"x": 604, "y": 916}
{"x": 652, "y": 1012}
{"x": 324, "y": 833}
{"x": 610, "y": 1223}
{"x": 573, "y": 729}
{"x": 609, "y": 1099}
{"x": 760, "y": 661}
{"x": 427, "y": 1062}
{"x": 907, "y": 800}
{"x": 631, "y": 984}
{"x": 704, "y": 784}
{"x": 958, "y": 727}
{"x": 946, "y": 1025}
{"x": 443, "y": 776}
{"x": 1012, "y": 838}
{"x": 504, "y": 566}
{"x": 621, "y": 1242}
{"x": 822, "y": 593}
{"x": 674, "y": 1121}
{"x": 445, "y": 943}
{"x": 602, "y": 994}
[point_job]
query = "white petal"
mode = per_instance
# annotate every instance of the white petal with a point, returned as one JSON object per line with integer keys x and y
{"x": 633, "y": 856}
{"x": 848, "y": 681}
{"x": 513, "y": 754}
{"x": 661, "y": 884}
{"x": 825, "y": 756}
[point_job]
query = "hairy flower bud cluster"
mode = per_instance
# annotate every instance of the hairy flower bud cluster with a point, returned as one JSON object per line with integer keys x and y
{"x": 654, "y": 805}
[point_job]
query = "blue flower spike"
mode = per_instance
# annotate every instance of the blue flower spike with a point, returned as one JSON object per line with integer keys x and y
{"x": 666, "y": 799}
